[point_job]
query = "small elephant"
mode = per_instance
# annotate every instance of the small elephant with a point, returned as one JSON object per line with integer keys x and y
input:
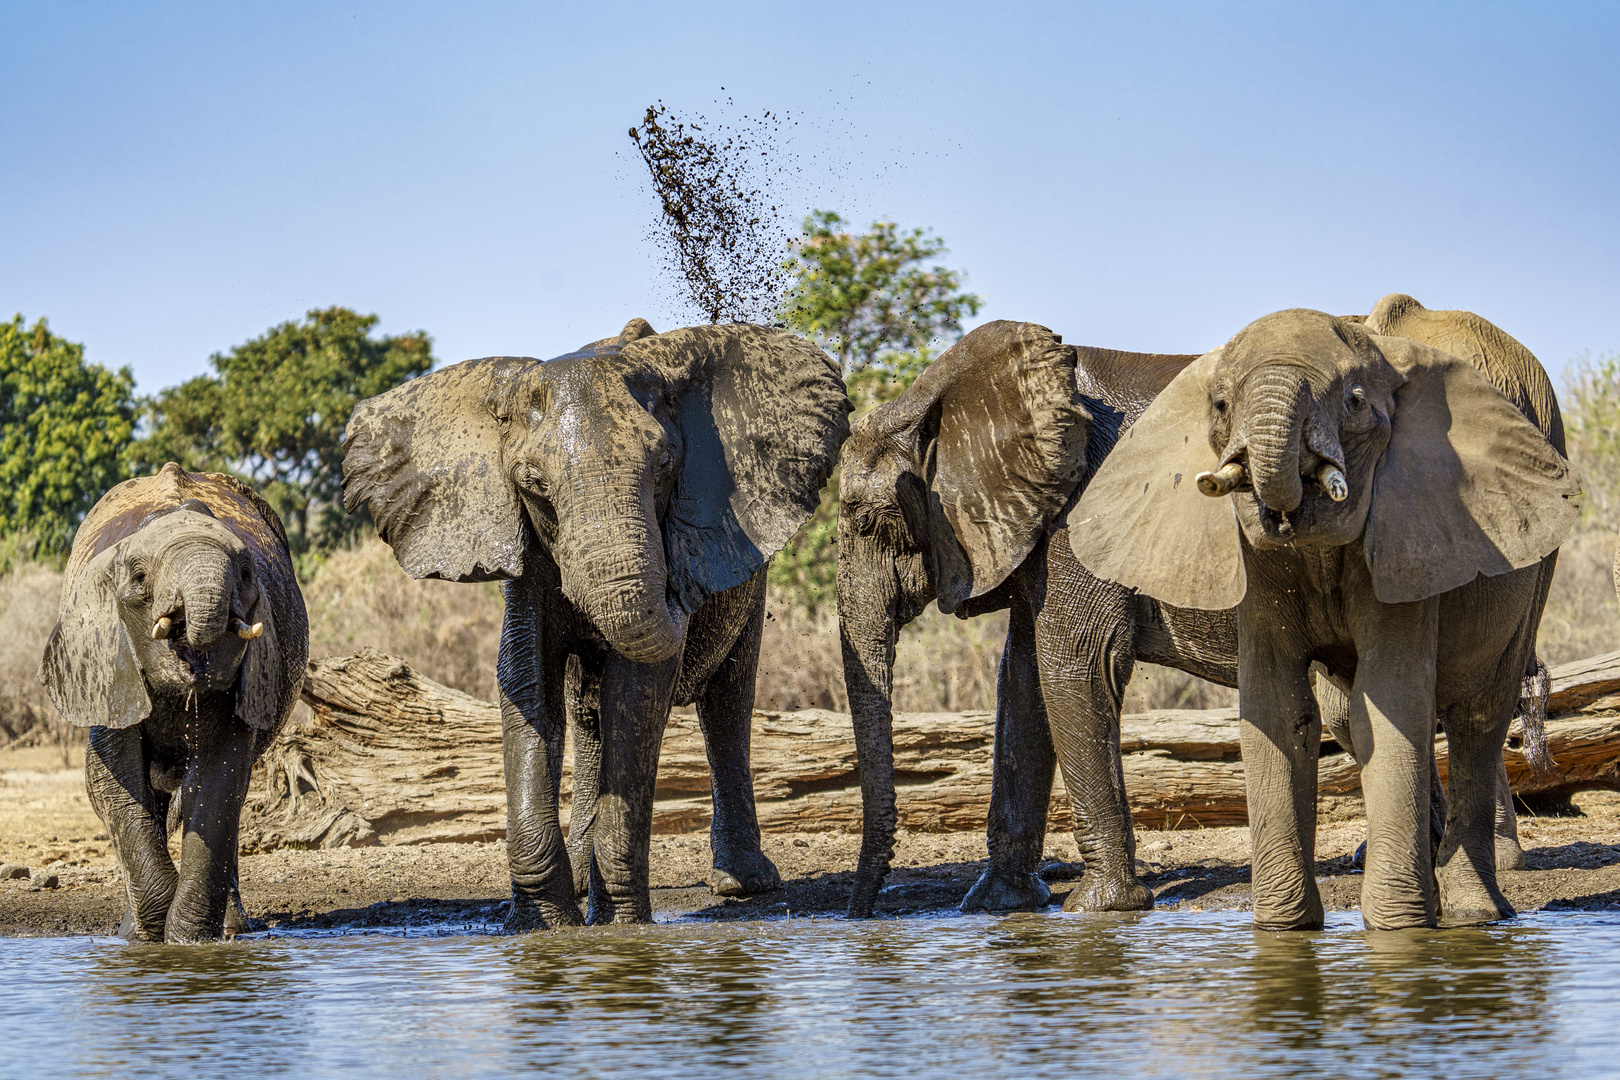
{"x": 181, "y": 645}
{"x": 631, "y": 495}
{"x": 1382, "y": 507}
{"x": 955, "y": 491}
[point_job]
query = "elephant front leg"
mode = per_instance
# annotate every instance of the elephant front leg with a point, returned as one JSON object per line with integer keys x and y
{"x": 211, "y": 796}
{"x": 1020, "y": 780}
{"x": 1392, "y": 724}
{"x": 122, "y": 796}
{"x": 530, "y": 674}
{"x": 726, "y": 712}
{"x": 1465, "y": 867}
{"x": 635, "y": 708}
{"x": 1280, "y": 730}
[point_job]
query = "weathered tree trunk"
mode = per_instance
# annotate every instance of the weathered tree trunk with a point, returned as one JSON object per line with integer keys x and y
{"x": 385, "y": 756}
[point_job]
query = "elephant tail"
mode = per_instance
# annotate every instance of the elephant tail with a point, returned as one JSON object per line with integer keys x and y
{"x": 1533, "y": 695}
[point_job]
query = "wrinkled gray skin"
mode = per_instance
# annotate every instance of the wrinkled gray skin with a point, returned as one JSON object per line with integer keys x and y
{"x": 955, "y": 491}
{"x": 632, "y": 494}
{"x": 1421, "y": 590}
{"x": 177, "y": 719}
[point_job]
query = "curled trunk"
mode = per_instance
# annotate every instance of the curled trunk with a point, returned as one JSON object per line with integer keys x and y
{"x": 867, "y": 629}
{"x": 1277, "y": 402}
{"x": 206, "y": 584}
{"x": 610, "y": 551}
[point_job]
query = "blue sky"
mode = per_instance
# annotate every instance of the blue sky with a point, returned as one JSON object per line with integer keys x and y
{"x": 177, "y": 178}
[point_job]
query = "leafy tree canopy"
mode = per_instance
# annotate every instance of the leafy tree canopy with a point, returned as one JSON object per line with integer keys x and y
{"x": 869, "y": 297}
{"x": 274, "y": 411}
{"x": 64, "y": 424}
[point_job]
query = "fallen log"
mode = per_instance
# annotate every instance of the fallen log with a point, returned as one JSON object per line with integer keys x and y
{"x": 385, "y": 756}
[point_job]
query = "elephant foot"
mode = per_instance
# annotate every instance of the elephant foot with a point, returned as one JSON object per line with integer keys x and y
{"x": 1301, "y": 912}
{"x": 604, "y": 910}
{"x": 1509, "y": 855}
{"x": 1100, "y": 893}
{"x": 1001, "y": 890}
{"x": 236, "y": 920}
{"x": 526, "y": 915}
{"x": 745, "y": 874}
{"x": 1465, "y": 900}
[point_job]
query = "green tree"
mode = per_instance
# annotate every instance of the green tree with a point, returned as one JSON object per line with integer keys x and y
{"x": 274, "y": 411}
{"x": 64, "y": 424}
{"x": 871, "y": 300}
{"x": 868, "y": 297}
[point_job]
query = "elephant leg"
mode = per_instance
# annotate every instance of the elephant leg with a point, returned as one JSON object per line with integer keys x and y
{"x": 1020, "y": 779}
{"x": 211, "y": 797}
{"x": 116, "y": 780}
{"x": 1466, "y": 864}
{"x": 1392, "y": 723}
{"x": 1280, "y": 731}
{"x": 583, "y": 688}
{"x": 530, "y": 674}
{"x": 726, "y": 712}
{"x": 635, "y": 708}
{"x": 1509, "y": 855}
{"x": 1085, "y": 639}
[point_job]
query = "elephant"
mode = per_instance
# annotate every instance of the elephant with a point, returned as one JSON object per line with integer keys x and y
{"x": 630, "y": 495}
{"x": 181, "y": 644}
{"x": 1377, "y": 505}
{"x": 955, "y": 492}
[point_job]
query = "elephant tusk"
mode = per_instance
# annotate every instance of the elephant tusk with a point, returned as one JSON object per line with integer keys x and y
{"x": 246, "y": 632}
{"x": 1331, "y": 477}
{"x": 1223, "y": 481}
{"x": 160, "y": 629}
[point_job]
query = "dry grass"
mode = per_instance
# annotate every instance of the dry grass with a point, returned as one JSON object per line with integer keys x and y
{"x": 29, "y": 595}
{"x": 449, "y": 632}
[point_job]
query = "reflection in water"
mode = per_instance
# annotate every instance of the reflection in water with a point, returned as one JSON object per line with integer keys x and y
{"x": 1155, "y": 995}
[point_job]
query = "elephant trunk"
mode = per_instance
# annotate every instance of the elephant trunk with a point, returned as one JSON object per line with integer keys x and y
{"x": 610, "y": 551}
{"x": 867, "y": 629}
{"x": 1278, "y": 399}
{"x": 206, "y": 581}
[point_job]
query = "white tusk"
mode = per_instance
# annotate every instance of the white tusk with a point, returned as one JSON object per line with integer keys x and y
{"x": 1332, "y": 480}
{"x": 1222, "y": 481}
{"x": 246, "y": 632}
{"x": 160, "y": 629}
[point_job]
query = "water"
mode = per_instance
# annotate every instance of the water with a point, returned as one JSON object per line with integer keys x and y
{"x": 1158, "y": 995}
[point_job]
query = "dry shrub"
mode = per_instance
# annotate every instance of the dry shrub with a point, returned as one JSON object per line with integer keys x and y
{"x": 449, "y": 632}
{"x": 1581, "y": 618}
{"x": 29, "y": 595}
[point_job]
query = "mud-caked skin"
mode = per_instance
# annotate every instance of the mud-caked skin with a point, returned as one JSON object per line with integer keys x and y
{"x": 181, "y": 645}
{"x": 630, "y": 494}
{"x": 1389, "y": 507}
{"x": 955, "y": 491}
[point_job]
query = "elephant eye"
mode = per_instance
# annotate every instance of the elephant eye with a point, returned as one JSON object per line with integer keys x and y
{"x": 1220, "y": 405}
{"x": 1357, "y": 398}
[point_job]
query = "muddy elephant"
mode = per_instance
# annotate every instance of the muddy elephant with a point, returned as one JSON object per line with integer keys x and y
{"x": 630, "y": 494}
{"x": 181, "y": 645}
{"x": 955, "y": 492}
{"x": 1382, "y": 507}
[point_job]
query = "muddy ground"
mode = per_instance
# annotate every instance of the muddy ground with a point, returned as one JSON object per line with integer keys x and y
{"x": 47, "y": 826}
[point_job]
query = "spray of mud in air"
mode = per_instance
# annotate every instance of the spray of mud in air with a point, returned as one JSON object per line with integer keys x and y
{"x": 719, "y": 233}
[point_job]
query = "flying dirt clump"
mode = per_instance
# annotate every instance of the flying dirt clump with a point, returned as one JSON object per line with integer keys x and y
{"x": 719, "y": 231}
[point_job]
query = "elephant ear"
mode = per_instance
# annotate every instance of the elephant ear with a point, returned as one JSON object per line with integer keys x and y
{"x": 426, "y": 459}
{"x": 89, "y": 667}
{"x": 761, "y": 414}
{"x": 1001, "y": 433}
{"x": 1142, "y": 520}
{"x": 1467, "y": 487}
{"x": 262, "y": 680}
